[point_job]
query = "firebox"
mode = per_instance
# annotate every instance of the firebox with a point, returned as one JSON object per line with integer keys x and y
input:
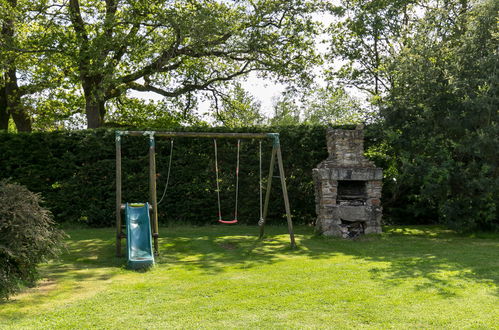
{"x": 347, "y": 187}
{"x": 351, "y": 193}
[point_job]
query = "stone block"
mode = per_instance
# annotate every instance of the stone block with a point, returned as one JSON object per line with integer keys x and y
{"x": 353, "y": 213}
{"x": 346, "y": 161}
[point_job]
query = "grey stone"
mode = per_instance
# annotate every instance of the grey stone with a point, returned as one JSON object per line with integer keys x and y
{"x": 344, "y": 210}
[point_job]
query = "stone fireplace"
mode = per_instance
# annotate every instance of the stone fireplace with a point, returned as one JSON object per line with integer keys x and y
{"x": 347, "y": 187}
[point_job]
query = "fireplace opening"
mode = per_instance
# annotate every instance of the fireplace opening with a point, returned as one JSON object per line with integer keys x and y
{"x": 351, "y": 193}
{"x": 352, "y": 229}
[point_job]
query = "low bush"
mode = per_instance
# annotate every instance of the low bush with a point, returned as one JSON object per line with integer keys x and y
{"x": 27, "y": 237}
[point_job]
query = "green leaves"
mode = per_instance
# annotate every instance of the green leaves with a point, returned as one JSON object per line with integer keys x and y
{"x": 27, "y": 237}
{"x": 444, "y": 102}
{"x": 103, "y": 49}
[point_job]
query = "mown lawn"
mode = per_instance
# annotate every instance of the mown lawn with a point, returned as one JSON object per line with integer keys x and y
{"x": 223, "y": 277}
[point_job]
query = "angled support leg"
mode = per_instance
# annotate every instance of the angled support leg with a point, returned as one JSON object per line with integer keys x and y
{"x": 285, "y": 195}
{"x": 267, "y": 193}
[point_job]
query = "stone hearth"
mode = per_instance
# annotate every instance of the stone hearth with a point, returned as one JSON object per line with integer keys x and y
{"x": 347, "y": 187}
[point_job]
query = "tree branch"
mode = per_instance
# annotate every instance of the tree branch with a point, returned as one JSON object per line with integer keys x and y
{"x": 187, "y": 87}
{"x": 111, "y": 7}
{"x": 173, "y": 51}
{"x": 77, "y": 20}
{"x": 122, "y": 50}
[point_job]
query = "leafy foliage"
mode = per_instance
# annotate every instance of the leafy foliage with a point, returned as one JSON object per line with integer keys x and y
{"x": 317, "y": 106}
{"x": 102, "y": 50}
{"x": 75, "y": 171}
{"x": 237, "y": 108}
{"x": 365, "y": 35}
{"x": 27, "y": 237}
{"x": 441, "y": 119}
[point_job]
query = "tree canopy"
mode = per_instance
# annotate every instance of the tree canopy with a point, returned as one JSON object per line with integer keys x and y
{"x": 105, "y": 49}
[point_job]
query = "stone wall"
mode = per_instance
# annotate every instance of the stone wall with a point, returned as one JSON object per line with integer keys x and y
{"x": 358, "y": 211}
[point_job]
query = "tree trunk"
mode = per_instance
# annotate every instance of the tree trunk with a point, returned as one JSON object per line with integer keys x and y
{"x": 14, "y": 104}
{"x": 94, "y": 101}
{"x": 4, "y": 113}
{"x": 95, "y": 111}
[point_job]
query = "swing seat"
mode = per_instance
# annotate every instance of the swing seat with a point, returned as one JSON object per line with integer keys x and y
{"x": 228, "y": 222}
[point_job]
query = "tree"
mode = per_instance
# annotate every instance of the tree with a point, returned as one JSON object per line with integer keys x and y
{"x": 441, "y": 116}
{"x": 10, "y": 92}
{"x": 236, "y": 108}
{"x": 172, "y": 48}
{"x": 286, "y": 109}
{"x": 364, "y": 37}
{"x": 27, "y": 67}
{"x": 317, "y": 106}
{"x": 332, "y": 106}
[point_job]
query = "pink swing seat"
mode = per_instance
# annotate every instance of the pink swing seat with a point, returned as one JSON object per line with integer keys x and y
{"x": 228, "y": 222}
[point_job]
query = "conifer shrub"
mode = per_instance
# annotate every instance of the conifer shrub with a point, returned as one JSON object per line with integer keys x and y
{"x": 27, "y": 237}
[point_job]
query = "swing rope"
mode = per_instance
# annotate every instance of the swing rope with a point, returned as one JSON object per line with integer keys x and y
{"x": 218, "y": 186}
{"x": 260, "y": 222}
{"x": 168, "y": 175}
{"x": 237, "y": 179}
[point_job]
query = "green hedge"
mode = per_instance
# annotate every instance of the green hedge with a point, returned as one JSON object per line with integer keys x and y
{"x": 75, "y": 172}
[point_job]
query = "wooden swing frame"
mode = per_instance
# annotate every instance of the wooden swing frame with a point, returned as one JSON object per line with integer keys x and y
{"x": 276, "y": 154}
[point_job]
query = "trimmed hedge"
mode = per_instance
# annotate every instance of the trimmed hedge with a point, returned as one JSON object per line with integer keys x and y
{"x": 75, "y": 172}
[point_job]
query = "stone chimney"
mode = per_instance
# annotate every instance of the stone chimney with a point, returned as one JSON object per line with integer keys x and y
{"x": 347, "y": 187}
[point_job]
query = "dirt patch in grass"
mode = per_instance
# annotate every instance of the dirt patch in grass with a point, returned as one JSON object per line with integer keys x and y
{"x": 228, "y": 246}
{"x": 43, "y": 287}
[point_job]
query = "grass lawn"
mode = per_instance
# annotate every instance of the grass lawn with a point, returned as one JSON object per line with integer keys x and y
{"x": 223, "y": 277}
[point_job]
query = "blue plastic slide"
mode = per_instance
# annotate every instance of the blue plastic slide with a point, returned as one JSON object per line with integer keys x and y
{"x": 139, "y": 245}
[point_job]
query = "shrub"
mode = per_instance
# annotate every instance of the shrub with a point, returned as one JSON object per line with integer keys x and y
{"x": 27, "y": 237}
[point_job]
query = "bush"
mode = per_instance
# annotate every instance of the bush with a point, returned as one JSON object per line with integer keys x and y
{"x": 27, "y": 237}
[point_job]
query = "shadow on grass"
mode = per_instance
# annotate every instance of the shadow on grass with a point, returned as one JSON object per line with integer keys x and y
{"x": 437, "y": 257}
{"x": 218, "y": 249}
{"x": 89, "y": 256}
{"x": 441, "y": 260}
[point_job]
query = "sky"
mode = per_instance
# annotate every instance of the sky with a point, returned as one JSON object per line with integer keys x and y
{"x": 264, "y": 91}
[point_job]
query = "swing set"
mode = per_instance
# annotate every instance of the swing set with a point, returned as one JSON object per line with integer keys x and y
{"x": 152, "y": 206}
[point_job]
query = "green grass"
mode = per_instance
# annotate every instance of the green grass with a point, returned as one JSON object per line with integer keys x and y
{"x": 223, "y": 277}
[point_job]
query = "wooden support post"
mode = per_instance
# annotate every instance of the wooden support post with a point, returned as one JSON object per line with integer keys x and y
{"x": 285, "y": 195}
{"x": 118, "y": 195}
{"x": 152, "y": 192}
{"x": 267, "y": 192}
{"x": 276, "y": 151}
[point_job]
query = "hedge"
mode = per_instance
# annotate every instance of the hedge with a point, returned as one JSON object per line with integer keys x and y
{"x": 75, "y": 172}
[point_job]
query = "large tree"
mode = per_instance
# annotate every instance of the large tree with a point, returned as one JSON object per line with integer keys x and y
{"x": 173, "y": 48}
{"x": 10, "y": 91}
{"x": 442, "y": 118}
{"x": 27, "y": 65}
{"x": 365, "y": 35}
